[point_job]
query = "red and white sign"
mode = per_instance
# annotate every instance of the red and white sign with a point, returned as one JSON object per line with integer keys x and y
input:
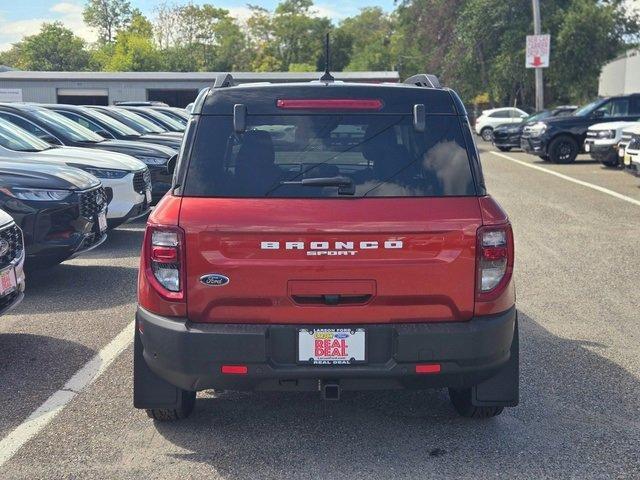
{"x": 538, "y": 47}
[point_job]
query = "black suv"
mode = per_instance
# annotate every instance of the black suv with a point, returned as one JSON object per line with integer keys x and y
{"x": 61, "y": 210}
{"x": 59, "y": 130}
{"x": 108, "y": 127}
{"x": 506, "y": 137}
{"x": 561, "y": 139}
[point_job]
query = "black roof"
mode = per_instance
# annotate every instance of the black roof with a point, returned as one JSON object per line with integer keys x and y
{"x": 260, "y": 98}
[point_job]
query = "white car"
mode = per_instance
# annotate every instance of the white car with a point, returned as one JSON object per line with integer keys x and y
{"x": 126, "y": 180}
{"x": 629, "y": 149}
{"x": 602, "y": 141}
{"x": 490, "y": 119}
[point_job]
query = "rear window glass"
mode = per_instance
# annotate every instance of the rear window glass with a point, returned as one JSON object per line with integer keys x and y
{"x": 310, "y": 156}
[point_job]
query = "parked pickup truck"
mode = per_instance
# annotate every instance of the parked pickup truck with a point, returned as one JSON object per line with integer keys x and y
{"x": 360, "y": 252}
{"x": 603, "y": 139}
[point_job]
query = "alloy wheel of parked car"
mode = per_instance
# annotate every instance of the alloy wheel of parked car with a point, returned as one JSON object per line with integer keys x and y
{"x": 563, "y": 149}
{"x": 487, "y": 134}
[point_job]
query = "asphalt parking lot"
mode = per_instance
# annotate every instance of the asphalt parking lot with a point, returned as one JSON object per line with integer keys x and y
{"x": 577, "y": 230}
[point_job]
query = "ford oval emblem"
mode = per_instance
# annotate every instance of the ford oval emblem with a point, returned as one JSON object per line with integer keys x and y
{"x": 214, "y": 280}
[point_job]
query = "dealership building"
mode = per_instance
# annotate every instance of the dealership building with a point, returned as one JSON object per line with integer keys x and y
{"x": 175, "y": 88}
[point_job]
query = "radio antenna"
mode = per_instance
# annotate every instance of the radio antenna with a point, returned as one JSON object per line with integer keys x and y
{"x": 327, "y": 77}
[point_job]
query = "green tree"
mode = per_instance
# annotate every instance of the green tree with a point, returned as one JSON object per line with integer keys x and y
{"x": 292, "y": 34}
{"x": 107, "y": 17}
{"x": 54, "y": 48}
{"x": 371, "y": 33}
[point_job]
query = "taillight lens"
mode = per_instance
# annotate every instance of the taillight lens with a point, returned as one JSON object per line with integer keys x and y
{"x": 494, "y": 261}
{"x": 165, "y": 260}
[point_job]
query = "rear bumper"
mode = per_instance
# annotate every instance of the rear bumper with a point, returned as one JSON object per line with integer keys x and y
{"x": 190, "y": 356}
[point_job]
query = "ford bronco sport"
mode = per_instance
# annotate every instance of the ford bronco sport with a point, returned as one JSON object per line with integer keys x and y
{"x": 327, "y": 236}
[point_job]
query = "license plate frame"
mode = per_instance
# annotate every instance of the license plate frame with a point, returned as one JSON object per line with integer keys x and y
{"x": 356, "y": 340}
{"x": 587, "y": 147}
{"x": 8, "y": 273}
{"x": 147, "y": 196}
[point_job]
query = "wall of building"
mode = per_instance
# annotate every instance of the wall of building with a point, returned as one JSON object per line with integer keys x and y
{"x": 42, "y": 87}
{"x": 621, "y": 76}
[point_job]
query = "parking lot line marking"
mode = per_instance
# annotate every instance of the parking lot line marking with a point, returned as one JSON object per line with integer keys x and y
{"x": 598, "y": 188}
{"x": 46, "y": 412}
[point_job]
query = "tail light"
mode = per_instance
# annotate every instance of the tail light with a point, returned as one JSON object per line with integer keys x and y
{"x": 164, "y": 257}
{"x": 494, "y": 261}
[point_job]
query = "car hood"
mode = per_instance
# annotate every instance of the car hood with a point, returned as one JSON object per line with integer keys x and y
{"x": 5, "y": 218}
{"x": 91, "y": 158}
{"x": 135, "y": 149}
{"x": 612, "y": 125}
{"x": 633, "y": 129}
{"x": 31, "y": 173}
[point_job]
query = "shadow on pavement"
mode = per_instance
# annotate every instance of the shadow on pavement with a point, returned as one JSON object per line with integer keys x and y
{"x": 32, "y": 367}
{"x": 120, "y": 244}
{"x": 74, "y": 288}
{"x": 578, "y": 415}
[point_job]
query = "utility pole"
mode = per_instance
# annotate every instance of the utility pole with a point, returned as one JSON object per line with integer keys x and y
{"x": 537, "y": 30}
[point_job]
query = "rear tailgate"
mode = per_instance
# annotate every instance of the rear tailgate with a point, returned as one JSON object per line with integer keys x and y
{"x": 331, "y": 261}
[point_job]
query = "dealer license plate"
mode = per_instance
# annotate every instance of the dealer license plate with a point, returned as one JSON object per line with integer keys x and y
{"x": 587, "y": 147}
{"x": 148, "y": 196}
{"x": 331, "y": 346}
{"x": 8, "y": 280}
{"x": 621, "y": 152}
{"x": 102, "y": 221}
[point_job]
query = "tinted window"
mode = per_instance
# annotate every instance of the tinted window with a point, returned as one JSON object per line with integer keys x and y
{"x": 615, "y": 108}
{"x": 500, "y": 114}
{"x": 81, "y": 120}
{"x": 25, "y": 124}
{"x": 15, "y": 138}
{"x": 634, "y": 107}
{"x": 372, "y": 155}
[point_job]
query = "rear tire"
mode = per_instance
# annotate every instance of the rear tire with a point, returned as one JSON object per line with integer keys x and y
{"x": 504, "y": 149}
{"x": 461, "y": 400}
{"x": 563, "y": 149}
{"x": 173, "y": 414}
{"x": 487, "y": 134}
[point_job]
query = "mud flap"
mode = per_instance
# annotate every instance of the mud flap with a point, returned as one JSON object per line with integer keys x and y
{"x": 149, "y": 390}
{"x": 503, "y": 389}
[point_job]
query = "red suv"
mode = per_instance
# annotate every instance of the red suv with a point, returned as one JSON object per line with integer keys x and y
{"x": 327, "y": 236}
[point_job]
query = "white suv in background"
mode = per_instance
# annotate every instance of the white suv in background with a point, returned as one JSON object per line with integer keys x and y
{"x": 126, "y": 179}
{"x": 629, "y": 148}
{"x": 603, "y": 139}
{"x": 490, "y": 119}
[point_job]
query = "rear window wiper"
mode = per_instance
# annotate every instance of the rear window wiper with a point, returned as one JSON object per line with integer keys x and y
{"x": 345, "y": 185}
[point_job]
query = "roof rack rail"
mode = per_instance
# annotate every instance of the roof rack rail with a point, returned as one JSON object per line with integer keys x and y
{"x": 424, "y": 80}
{"x": 223, "y": 80}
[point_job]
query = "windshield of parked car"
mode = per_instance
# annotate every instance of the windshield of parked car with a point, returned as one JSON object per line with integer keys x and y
{"x": 536, "y": 117}
{"x": 69, "y": 128}
{"x": 15, "y": 138}
{"x": 587, "y": 109}
{"x": 164, "y": 119}
{"x": 112, "y": 123}
{"x": 182, "y": 120}
{"x": 134, "y": 120}
{"x": 329, "y": 156}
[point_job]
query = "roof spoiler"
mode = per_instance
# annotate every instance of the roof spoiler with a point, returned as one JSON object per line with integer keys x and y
{"x": 223, "y": 80}
{"x": 424, "y": 80}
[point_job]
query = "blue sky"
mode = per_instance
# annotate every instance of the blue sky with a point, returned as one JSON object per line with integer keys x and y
{"x": 19, "y": 18}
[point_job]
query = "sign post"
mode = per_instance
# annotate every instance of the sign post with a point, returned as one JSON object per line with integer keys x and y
{"x": 539, "y": 45}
